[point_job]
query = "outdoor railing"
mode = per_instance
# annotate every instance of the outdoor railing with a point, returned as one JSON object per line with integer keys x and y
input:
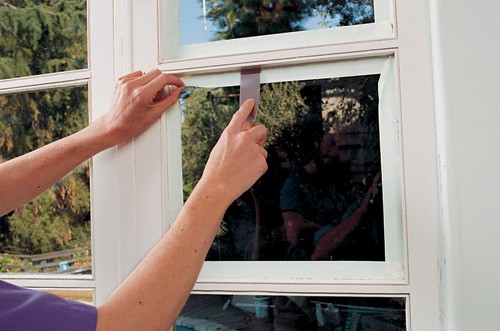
{"x": 59, "y": 261}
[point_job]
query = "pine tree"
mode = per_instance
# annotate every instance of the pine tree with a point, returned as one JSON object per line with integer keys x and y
{"x": 40, "y": 37}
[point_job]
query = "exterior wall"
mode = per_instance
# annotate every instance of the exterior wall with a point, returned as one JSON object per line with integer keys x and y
{"x": 466, "y": 55}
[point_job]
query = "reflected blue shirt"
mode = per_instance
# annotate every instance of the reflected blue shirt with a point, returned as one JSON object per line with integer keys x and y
{"x": 23, "y": 309}
{"x": 321, "y": 204}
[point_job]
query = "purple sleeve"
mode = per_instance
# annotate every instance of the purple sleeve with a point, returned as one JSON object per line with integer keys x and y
{"x": 24, "y": 309}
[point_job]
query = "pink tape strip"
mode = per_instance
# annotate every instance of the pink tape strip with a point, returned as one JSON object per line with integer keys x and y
{"x": 250, "y": 89}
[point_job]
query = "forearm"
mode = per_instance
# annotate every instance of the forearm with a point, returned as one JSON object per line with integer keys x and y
{"x": 296, "y": 226}
{"x": 154, "y": 294}
{"x": 138, "y": 101}
{"x": 330, "y": 241}
{"x": 24, "y": 177}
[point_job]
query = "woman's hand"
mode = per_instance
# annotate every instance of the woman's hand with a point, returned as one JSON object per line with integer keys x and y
{"x": 138, "y": 101}
{"x": 238, "y": 159}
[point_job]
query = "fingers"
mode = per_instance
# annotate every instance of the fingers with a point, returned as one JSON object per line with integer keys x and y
{"x": 248, "y": 125}
{"x": 152, "y": 88}
{"x": 154, "y": 80}
{"x": 240, "y": 117}
{"x": 239, "y": 123}
{"x": 264, "y": 153}
{"x": 149, "y": 76}
{"x": 164, "y": 102}
{"x": 161, "y": 80}
{"x": 259, "y": 134}
{"x": 129, "y": 77}
{"x": 134, "y": 74}
{"x": 157, "y": 80}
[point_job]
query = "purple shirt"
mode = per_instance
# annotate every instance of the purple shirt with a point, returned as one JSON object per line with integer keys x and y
{"x": 24, "y": 309}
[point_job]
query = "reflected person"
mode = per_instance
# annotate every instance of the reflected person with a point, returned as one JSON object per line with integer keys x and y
{"x": 318, "y": 215}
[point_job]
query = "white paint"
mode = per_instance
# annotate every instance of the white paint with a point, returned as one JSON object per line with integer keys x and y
{"x": 418, "y": 280}
{"x": 466, "y": 48}
{"x": 394, "y": 269}
{"x": 449, "y": 107}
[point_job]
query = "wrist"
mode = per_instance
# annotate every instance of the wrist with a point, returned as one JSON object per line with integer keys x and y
{"x": 216, "y": 191}
{"x": 104, "y": 135}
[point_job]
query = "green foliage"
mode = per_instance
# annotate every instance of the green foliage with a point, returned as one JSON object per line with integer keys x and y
{"x": 344, "y": 12}
{"x": 41, "y": 37}
{"x": 282, "y": 110}
{"x": 6, "y": 260}
{"x": 55, "y": 220}
{"x": 206, "y": 113}
{"x": 31, "y": 120}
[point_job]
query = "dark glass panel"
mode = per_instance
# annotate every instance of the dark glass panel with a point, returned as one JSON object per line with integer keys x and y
{"x": 286, "y": 313}
{"x": 321, "y": 197}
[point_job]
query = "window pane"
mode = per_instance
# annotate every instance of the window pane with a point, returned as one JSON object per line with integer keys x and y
{"x": 203, "y": 21}
{"x": 50, "y": 234}
{"x": 41, "y": 37}
{"x": 284, "y": 313}
{"x": 321, "y": 196}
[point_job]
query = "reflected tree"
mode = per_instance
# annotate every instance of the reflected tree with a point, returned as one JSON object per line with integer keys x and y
{"x": 248, "y": 18}
{"x": 343, "y": 12}
{"x": 295, "y": 114}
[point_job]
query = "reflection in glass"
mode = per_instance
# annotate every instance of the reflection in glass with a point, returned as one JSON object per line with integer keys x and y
{"x": 285, "y": 313}
{"x": 321, "y": 196}
{"x": 50, "y": 234}
{"x": 41, "y": 37}
{"x": 206, "y": 20}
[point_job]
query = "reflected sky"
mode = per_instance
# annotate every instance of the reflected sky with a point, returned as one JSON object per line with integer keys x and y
{"x": 194, "y": 29}
{"x": 193, "y": 24}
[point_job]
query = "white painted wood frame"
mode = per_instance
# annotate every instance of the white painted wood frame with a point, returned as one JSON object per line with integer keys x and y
{"x": 136, "y": 189}
{"x": 99, "y": 77}
{"x": 146, "y": 194}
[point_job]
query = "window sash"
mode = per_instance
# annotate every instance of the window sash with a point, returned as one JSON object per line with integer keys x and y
{"x": 393, "y": 268}
{"x": 135, "y": 166}
{"x": 99, "y": 77}
{"x": 44, "y": 82}
{"x": 172, "y": 50}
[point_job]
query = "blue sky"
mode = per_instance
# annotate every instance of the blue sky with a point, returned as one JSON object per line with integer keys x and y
{"x": 193, "y": 27}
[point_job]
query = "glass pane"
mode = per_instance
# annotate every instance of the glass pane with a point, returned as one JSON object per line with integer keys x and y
{"x": 285, "y": 313}
{"x": 83, "y": 296}
{"x": 203, "y": 21}
{"x": 41, "y": 37}
{"x": 50, "y": 234}
{"x": 321, "y": 196}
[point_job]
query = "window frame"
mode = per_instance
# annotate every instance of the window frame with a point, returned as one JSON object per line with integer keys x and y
{"x": 99, "y": 14}
{"x": 171, "y": 51}
{"x": 134, "y": 188}
{"x": 394, "y": 269}
{"x": 411, "y": 43}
